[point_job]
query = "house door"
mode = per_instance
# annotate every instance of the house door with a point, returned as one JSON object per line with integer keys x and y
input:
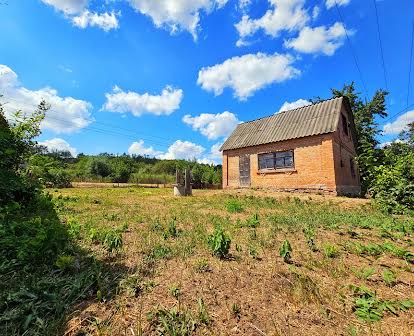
{"x": 244, "y": 170}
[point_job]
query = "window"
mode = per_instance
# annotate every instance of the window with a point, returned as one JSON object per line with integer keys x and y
{"x": 352, "y": 165}
{"x": 277, "y": 160}
{"x": 345, "y": 124}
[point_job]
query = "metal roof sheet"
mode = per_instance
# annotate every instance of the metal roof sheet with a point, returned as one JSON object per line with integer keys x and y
{"x": 319, "y": 118}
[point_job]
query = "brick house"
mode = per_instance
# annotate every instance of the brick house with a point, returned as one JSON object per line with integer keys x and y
{"x": 311, "y": 148}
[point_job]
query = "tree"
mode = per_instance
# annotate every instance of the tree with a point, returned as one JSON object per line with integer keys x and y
{"x": 101, "y": 168}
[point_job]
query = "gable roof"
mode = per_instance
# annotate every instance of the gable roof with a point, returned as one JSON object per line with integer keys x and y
{"x": 319, "y": 118}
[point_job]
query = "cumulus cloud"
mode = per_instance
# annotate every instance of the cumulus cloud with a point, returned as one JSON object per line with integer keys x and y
{"x": 77, "y": 12}
{"x": 321, "y": 39}
{"x": 284, "y": 15}
{"x": 105, "y": 21}
{"x": 176, "y": 15}
{"x": 388, "y": 143}
{"x": 293, "y": 105}
{"x": 58, "y": 144}
{"x": 213, "y": 126}
{"x": 399, "y": 124}
{"x": 138, "y": 148}
{"x": 164, "y": 104}
{"x": 247, "y": 74}
{"x": 69, "y": 7}
{"x": 331, "y": 3}
{"x": 184, "y": 150}
{"x": 215, "y": 152}
{"x": 66, "y": 115}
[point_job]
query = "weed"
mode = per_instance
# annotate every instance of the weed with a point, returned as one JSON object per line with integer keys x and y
{"x": 370, "y": 309}
{"x": 171, "y": 230}
{"x": 161, "y": 252}
{"x": 233, "y": 205}
{"x": 253, "y": 222}
{"x": 65, "y": 263}
{"x": 219, "y": 242}
{"x": 364, "y": 273}
{"x": 175, "y": 292}
{"x": 202, "y": 266}
{"x": 389, "y": 277}
{"x": 285, "y": 251}
{"x": 330, "y": 250}
{"x": 113, "y": 240}
{"x": 203, "y": 315}
{"x": 399, "y": 252}
{"x": 236, "y": 310}
{"x": 253, "y": 252}
{"x": 309, "y": 233}
{"x": 171, "y": 322}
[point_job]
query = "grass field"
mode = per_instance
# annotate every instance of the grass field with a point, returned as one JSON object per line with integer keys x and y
{"x": 348, "y": 271}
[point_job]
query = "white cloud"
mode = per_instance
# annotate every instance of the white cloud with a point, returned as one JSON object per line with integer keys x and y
{"x": 58, "y": 144}
{"x": 164, "y": 104}
{"x": 289, "y": 15}
{"x": 77, "y": 12}
{"x": 105, "y": 21}
{"x": 213, "y": 126}
{"x": 69, "y": 7}
{"x": 138, "y": 148}
{"x": 315, "y": 12}
{"x": 247, "y": 74}
{"x": 293, "y": 105}
{"x": 399, "y": 124}
{"x": 215, "y": 152}
{"x": 176, "y": 15}
{"x": 66, "y": 115}
{"x": 331, "y": 3}
{"x": 319, "y": 39}
{"x": 185, "y": 150}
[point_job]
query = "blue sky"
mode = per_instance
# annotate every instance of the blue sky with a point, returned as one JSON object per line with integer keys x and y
{"x": 172, "y": 78}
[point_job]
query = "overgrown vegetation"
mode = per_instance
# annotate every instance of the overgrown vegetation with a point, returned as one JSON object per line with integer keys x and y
{"x": 386, "y": 173}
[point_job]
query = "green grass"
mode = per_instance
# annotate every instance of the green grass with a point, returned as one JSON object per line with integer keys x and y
{"x": 127, "y": 248}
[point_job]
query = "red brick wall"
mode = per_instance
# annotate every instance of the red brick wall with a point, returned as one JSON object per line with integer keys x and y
{"x": 317, "y": 165}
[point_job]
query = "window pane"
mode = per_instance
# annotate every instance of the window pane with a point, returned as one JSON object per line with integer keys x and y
{"x": 280, "y": 163}
{"x": 266, "y": 161}
{"x": 289, "y": 161}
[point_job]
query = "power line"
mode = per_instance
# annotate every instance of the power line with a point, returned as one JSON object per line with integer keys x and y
{"x": 410, "y": 61}
{"x": 352, "y": 50}
{"x": 396, "y": 114}
{"x": 380, "y": 44}
{"x": 105, "y": 131}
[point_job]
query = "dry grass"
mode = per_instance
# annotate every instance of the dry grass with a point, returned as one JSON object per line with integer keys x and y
{"x": 252, "y": 291}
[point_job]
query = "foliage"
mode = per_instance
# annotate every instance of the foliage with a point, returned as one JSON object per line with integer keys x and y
{"x": 371, "y": 309}
{"x": 330, "y": 250}
{"x": 285, "y": 251}
{"x": 233, "y": 205}
{"x": 219, "y": 242}
{"x": 393, "y": 186}
{"x": 172, "y": 322}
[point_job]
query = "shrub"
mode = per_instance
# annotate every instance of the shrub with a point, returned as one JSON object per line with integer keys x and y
{"x": 219, "y": 242}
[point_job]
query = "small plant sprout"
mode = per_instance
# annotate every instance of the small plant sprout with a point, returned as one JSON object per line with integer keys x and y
{"x": 285, "y": 251}
{"x": 236, "y": 310}
{"x": 389, "y": 277}
{"x": 202, "y": 312}
{"x": 219, "y": 242}
{"x": 330, "y": 250}
{"x": 309, "y": 233}
{"x": 202, "y": 266}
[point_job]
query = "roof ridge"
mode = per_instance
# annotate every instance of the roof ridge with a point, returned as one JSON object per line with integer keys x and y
{"x": 295, "y": 109}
